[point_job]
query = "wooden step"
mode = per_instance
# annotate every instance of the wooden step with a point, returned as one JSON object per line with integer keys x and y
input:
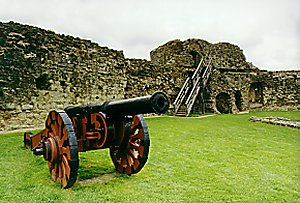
{"x": 180, "y": 113}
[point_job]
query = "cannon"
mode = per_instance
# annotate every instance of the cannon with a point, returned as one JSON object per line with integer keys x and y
{"x": 117, "y": 125}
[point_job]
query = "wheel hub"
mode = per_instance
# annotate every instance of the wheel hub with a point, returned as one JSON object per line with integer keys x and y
{"x": 52, "y": 150}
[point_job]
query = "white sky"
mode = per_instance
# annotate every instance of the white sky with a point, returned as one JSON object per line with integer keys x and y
{"x": 267, "y": 30}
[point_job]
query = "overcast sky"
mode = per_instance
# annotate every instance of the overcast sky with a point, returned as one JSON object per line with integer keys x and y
{"x": 268, "y": 31}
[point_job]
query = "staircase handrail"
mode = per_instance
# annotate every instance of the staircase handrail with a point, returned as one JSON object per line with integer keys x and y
{"x": 180, "y": 97}
{"x": 192, "y": 97}
{"x": 198, "y": 69}
{"x": 206, "y": 73}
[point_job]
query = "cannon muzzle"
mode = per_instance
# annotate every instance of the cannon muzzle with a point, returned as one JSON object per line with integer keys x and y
{"x": 157, "y": 103}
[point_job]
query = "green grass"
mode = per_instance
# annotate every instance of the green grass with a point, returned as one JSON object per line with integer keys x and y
{"x": 222, "y": 158}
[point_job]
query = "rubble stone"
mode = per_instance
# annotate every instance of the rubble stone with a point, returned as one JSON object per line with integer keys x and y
{"x": 276, "y": 121}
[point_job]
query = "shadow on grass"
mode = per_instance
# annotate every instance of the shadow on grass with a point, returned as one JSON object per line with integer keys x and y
{"x": 93, "y": 172}
{"x": 99, "y": 179}
{"x": 98, "y": 176}
{"x": 86, "y": 172}
{"x": 89, "y": 174}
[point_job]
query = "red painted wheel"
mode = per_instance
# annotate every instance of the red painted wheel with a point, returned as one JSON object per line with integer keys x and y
{"x": 130, "y": 157}
{"x": 61, "y": 149}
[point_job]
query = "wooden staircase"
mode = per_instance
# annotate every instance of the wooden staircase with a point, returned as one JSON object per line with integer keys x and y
{"x": 192, "y": 89}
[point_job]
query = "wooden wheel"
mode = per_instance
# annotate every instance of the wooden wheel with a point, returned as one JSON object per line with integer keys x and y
{"x": 61, "y": 149}
{"x": 131, "y": 156}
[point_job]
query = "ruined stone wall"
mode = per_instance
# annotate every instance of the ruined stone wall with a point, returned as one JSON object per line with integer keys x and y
{"x": 145, "y": 78}
{"x": 177, "y": 60}
{"x": 41, "y": 71}
{"x": 254, "y": 90}
{"x": 169, "y": 66}
{"x": 228, "y": 56}
{"x": 234, "y": 84}
{"x": 280, "y": 90}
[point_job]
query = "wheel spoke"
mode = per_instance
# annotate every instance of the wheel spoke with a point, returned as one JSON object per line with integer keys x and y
{"x": 60, "y": 171}
{"x": 54, "y": 129}
{"x": 141, "y": 151}
{"x": 64, "y": 137}
{"x": 133, "y": 154}
{"x": 53, "y": 115}
{"x": 138, "y": 134}
{"x": 59, "y": 125}
{"x": 124, "y": 162}
{"x": 66, "y": 152}
{"x": 66, "y": 165}
{"x": 54, "y": 172}
{"x": 130, "y": 160}
{"x": 136, "y": 164}
{"x": 48, "y": 122}
{"x": 63, "y": 179}
{"x": 134, "y": 145}
{"x": 64, "y": 182}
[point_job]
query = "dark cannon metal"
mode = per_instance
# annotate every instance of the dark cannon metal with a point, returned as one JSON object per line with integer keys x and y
{"x": 117, "y": 125}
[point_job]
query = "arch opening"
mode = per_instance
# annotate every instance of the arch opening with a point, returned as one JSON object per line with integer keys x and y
{"x": 223, "y": 103}
{"x": 256, "y": 95}
{"x": 238, "y": 100}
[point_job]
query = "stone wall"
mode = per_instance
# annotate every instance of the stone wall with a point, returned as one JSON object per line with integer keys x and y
{"x": 141, "y": 77}
{"x": 234, "y": 85}
{"x": 145, "y": 77}
{"x": 254, "y": 90}
{"x": 280, "y": 89}
{"x": 41, "y": 71}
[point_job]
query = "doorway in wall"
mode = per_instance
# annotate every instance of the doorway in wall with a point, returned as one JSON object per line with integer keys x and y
{"x": 238, "y": 100}
{"x": 223, "y": 103}
{"x": 256, "y": 95}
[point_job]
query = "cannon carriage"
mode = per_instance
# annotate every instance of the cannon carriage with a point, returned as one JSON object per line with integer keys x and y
{"x": 117, "y": 125}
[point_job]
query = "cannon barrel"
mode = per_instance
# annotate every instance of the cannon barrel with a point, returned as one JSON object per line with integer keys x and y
{"x": 157, "y": 103}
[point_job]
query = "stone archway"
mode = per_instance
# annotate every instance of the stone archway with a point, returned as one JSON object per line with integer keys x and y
{"x": 238, "y": 100}
{"x": 223, "y": 103}
{"x": 256, "y": 95}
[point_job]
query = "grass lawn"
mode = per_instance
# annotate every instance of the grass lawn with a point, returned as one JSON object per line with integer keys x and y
{"x": 222, "y": 158}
